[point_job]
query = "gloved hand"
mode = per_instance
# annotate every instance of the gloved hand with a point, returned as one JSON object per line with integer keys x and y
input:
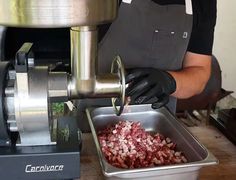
{"x": 149, "y": 83}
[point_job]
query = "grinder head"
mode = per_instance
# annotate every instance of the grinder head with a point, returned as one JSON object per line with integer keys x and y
{"x": 57, "y": 13}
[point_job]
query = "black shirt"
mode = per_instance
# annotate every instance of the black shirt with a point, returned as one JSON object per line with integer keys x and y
{"x": 204, "y": 20}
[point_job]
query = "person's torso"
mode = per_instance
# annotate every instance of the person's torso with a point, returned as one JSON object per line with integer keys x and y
{"x": 147, "y": 34}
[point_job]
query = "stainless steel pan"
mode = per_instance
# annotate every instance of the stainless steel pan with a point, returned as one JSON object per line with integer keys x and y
{"x": 161, "y": 121}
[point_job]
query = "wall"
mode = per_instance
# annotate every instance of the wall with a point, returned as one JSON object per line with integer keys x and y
{"x": 225, "y": 42}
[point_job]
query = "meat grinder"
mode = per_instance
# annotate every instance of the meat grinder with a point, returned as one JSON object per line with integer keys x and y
{"x": 31, "y": 142}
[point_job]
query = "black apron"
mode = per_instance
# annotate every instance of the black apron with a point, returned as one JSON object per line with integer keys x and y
{"x": 144, "y": 34}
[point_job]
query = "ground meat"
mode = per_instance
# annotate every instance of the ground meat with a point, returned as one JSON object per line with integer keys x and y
{"x": 127, "y": 145}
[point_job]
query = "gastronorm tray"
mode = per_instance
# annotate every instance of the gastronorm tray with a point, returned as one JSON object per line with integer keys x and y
{"x": 161, "y": 121}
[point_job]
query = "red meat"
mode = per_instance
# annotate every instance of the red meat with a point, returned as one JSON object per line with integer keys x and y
{"x": 128, "y": 145}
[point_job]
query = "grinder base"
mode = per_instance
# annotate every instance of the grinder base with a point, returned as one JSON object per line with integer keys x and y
{"x": 60, "y": 161}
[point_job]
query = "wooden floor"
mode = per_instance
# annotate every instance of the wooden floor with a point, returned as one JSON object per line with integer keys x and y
{"x": 223, "y": 149}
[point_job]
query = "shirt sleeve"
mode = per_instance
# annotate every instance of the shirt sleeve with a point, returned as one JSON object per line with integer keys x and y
{"x": 204, "y": 20}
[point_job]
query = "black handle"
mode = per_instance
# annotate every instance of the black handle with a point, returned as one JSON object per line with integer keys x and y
{"x": 22, "y": 55}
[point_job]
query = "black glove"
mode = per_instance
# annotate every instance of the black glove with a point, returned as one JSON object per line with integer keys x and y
{"x": 148, "y": 83}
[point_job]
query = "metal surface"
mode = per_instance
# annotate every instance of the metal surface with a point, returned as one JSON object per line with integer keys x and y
{"x": 9, "y": 101}
{"x": 4, "y": 133}
{"x": 117, "y": 65}
{"x": 56, "y": 13}
{"x": 57, "y": 86}
{"x": 84, "y": 81}
{"x": 83, "y": 58}
{"x": 154, "y": 121}
{"x": 32, "y": 107}
{"x": 2, "y": 42}
{"x": 107, "y": 85}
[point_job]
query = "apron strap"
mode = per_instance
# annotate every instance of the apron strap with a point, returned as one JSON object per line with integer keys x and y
{"x": 188, "y": 6}
{"x": 127, "y": 1}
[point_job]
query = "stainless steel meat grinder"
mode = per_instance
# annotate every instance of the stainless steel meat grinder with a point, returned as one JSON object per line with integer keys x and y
{"x": 30, "y": 146}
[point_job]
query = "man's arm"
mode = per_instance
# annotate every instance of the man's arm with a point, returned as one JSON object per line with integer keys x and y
{"x": 146, "y": 83}
{"x": 192, "y": 79}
